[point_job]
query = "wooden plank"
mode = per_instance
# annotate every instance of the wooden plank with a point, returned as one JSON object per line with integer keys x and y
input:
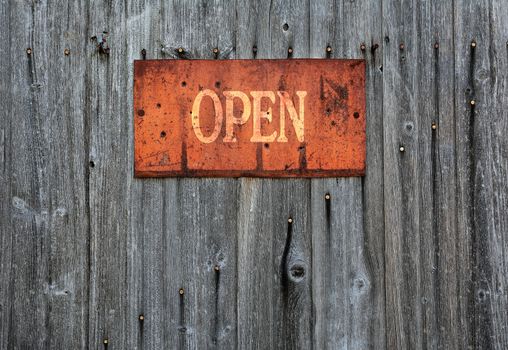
{"x": 438, "y": 258}
{"x": 199, "y": 215}
{"x": 348, "y": 237}
{"x": 44, "y": 235}
{"x": 110, "y": 180}
{"x": 401, "y": 177}
{"x": 481, "y": 167}
{"x": 493, "y": 196}
{"x": 274, "y": 256}
{"x": 6, "y": 327}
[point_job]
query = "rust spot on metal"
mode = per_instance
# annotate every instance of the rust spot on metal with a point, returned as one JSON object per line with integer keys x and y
{"x": 258, "y": 118}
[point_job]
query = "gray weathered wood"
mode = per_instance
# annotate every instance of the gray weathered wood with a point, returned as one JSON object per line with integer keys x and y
{"x": 411, "y": 256}
{"x": 274, "y": 256}
{"x": 348, "y": 275}
{"x": 44, "y": 216}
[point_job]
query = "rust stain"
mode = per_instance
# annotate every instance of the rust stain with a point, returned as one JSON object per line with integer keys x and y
{"x": 257, "y": 118}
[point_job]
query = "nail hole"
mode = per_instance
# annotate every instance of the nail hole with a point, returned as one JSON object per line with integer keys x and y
{"x": 333, "y": 123}
{"x": 184, "y": 84}
{"x": 158, "y": 105}
{"x": 356, "y": 115}
{"x": 217, "y": 84}
{"x": 163, "y": 134}
{"x": 267, "y": 145}
{"x": 92, "y": 164}
{"x": 285, "y": 26}
{"x": 141, "y": 112}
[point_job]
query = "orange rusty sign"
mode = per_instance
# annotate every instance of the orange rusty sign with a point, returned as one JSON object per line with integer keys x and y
{"x": 259, "y": 118}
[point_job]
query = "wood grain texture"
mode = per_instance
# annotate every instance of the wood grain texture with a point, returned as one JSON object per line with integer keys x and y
{"x": 44, "y": 243}
{"x": 413, "y": 255}
{"x": 274, "y": 256}
{"x": 347, "y": 239}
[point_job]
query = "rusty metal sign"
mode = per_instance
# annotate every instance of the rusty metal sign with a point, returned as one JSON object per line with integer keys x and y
{"x": 259, "y": 118}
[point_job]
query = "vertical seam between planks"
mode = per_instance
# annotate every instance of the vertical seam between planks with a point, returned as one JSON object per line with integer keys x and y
{"x": 383, "y": 165}
{"x": 86, "y": 164}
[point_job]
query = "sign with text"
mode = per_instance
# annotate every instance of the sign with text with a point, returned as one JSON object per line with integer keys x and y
{"x": 259, "y": 118}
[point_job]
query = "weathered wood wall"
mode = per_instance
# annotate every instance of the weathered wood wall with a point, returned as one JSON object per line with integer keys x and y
{"x": 412, "y": 256}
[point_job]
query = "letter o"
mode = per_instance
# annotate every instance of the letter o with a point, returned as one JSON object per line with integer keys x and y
{"x": 218, "y": 116}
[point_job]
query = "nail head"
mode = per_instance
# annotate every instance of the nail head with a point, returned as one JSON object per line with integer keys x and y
{"x": 67, "y": 52}
{"x": 215, "y": 50}
{"x": 181, "y": 291}
{"x": 180, "y": 50}
{"x": 327, "y": 196}
{"x": 141, "y": 317}
{"x": 473, "y": 102}
{"x": 290, "y": 50}
{"x": 473, "y": 44}
{"x": 290, "y": 220}
{"x": 28, "y": 51}
{"x": 362, "y": 47}
{"x": 401, "y": 46}
{"x": 216, "y": 268}
{"x": 328, "y": 49}
{"x": 434, "y": 126}
{"x": 105, "y": 341}
{"x": 402, "y": 149}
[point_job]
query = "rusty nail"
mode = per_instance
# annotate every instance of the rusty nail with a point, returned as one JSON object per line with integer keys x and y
{"x": 362, "y": 47}
{"x": 141, "y": 317}
{"x": 328, "y": 48}
{"x": 401, "y": 46}
{"x": 105, "y": 341}
{"x": 290, "y": 220}
{"x": 402, "y": 149}
{"x": 290, "y": 50}
{"x": 473, "y": 102}
{"x": 436, "y": 45}
{"x": 327, "y": 196}
{"x": 181, "y": 291}
{"x": 216, "y": 268}
{"x": 473, "y": 44}
{"x": 67, "y": 52}
{"x": 180, "y": 50}
{"x": 28, "y": 51}
{"x": 434, "y": 126}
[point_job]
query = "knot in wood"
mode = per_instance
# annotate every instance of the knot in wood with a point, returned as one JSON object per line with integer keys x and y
{"x": 297, "y": 272}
